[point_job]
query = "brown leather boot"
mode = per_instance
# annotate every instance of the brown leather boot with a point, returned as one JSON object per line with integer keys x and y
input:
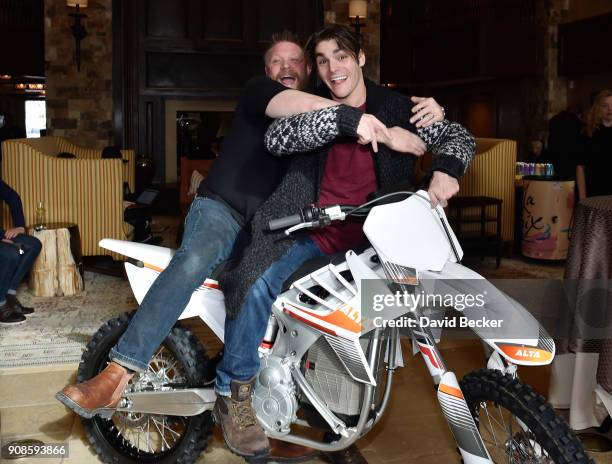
{"x": 102, "y": 391}
{"x": 242, "y": 433}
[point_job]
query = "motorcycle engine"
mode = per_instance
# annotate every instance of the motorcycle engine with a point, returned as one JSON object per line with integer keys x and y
{"x": 274, "y": 397}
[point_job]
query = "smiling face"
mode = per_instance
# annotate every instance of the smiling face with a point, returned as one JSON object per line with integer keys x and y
{"x": 341, "y": 72}
{"x": 285, "y": 63}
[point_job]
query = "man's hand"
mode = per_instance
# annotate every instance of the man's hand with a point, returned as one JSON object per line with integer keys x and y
{"x": 441, "y": 188}
{"x": 404, "y": 141}
{"x": 427, "y": 111}
{"x": 371, "y": 130}
{"x": 14, "y": 232}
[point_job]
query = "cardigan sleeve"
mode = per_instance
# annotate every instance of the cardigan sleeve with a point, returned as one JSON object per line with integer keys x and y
{"x": 308, "y": 131}
{"x": 451, "y": 145}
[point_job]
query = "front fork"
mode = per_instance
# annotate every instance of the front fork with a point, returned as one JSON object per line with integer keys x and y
{"x": 450, "y": 397}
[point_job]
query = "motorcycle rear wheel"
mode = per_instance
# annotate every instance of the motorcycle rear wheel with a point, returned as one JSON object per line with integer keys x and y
{"x": 140, "y": 438}
{"x": 517, "y": 424}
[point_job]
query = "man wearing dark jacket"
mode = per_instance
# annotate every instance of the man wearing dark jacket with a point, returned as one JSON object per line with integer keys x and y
{"x": 18, "y": 252}
{"x": 239, "y": 182}
{"x": 343, "y": 173}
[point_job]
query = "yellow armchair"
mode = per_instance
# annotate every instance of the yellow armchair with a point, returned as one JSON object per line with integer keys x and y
{"x": 86, "y": 191}
{"x": 53, "y": 145}
{"x": 492, "y": 174}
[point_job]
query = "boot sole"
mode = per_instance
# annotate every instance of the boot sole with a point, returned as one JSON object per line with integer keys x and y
{"x": 85, "y": 413}
{"x": 13, "y": 323}
{"x": 262, "y": 455}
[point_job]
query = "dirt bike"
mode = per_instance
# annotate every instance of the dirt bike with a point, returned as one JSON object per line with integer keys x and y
{"x": 325, "y": 362}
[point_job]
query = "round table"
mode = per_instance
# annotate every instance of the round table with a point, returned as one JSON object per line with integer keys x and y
{"x": 547, "y": 210}
{"x": 58, "y": 270}
{"x": 582, "y": 372}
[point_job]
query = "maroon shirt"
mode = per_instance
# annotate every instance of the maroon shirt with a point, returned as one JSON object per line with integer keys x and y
{"x": 348, "y": 178}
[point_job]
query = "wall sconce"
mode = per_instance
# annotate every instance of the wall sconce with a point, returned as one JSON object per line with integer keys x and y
{"x": 78, "y": 30}
{"x": 358, "y": 9}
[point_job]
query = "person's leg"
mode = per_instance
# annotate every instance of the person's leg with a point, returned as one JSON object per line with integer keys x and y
{"x": 31, "y": 247}
{"x": 236, "y": 370}
{"x": 9, "y": 257}
{"x": 243, "y": 334}
{"x": 210, "y": 233}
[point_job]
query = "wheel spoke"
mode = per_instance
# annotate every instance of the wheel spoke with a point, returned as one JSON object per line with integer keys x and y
{"x": 146, "y": 432}
{"x": 519, "y": 445}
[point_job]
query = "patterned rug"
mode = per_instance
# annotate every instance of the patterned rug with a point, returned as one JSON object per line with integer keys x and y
{"x": 61, "y": 326}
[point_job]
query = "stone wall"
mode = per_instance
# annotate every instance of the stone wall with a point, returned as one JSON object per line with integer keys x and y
{"x": 336, "y": 12}
{"x": 79, "y": 104}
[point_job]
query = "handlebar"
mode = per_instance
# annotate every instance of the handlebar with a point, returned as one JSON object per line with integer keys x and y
{"x": 284, "y": 222}
{"x": 313, "y": 217}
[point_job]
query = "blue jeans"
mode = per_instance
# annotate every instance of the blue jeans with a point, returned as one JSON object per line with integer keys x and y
{"x": 14, "y": 266}
{"x": 243, "y": 334}
{"x": 208, "y": 239}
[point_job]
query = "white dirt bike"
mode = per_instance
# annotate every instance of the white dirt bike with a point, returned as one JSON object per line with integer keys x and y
{"x": 328, "y": 362}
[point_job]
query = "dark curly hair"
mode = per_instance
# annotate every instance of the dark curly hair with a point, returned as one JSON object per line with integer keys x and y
{"x": 344, "y": 37}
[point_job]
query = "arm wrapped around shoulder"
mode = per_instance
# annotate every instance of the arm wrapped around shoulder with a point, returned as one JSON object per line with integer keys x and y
{"x": 309, "y": 131}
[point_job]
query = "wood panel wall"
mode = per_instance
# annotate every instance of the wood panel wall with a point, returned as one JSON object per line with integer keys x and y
{"x": 190, "y": 49}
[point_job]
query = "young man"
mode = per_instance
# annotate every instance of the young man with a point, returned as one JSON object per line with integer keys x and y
{"x": 18, "y": 252}
{"x": 240, "y": 180}
{"x": 343, "y": 174}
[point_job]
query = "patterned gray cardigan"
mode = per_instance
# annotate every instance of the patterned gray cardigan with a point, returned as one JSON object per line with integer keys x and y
{"x": 452, "y": 146}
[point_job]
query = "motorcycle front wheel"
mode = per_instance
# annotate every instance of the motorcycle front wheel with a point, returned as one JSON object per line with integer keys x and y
{"x": 180, "y": 362}
{"x": 517, "y": 424}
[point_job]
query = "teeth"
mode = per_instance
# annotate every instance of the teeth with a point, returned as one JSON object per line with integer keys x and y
{"x": 338, "y": 78}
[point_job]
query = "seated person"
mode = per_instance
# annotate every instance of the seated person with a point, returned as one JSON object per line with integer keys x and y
{"x": 18, "y": 252}
{"x": 344, "y": 172}
{"x": 139, "y": 216}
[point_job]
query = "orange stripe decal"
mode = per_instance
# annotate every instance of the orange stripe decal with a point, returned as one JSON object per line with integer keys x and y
{"x": 450, "y": 390}
{"x": 150, "y": 266}
{"x": 309, "y": 322}
{"x": 212, "y": 285}
{"x": 526, "y": 353}
{"x": 338, "y": 318}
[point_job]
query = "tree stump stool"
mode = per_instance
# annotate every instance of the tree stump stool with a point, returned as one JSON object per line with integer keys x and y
{"x": 55, "y": 272}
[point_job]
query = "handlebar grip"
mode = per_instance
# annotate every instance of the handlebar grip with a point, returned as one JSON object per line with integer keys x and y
{"x": 284, "y": 222}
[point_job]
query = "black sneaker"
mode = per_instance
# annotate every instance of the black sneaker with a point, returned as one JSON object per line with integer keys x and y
{"x": 12, "y": 300}
{"x": 9, "y": 315}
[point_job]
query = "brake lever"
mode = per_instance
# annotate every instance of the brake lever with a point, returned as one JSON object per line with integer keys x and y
{"x": 303, "y": 225}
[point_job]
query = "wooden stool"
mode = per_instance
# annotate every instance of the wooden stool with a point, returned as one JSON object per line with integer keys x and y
{"x": 55, "y": 272}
